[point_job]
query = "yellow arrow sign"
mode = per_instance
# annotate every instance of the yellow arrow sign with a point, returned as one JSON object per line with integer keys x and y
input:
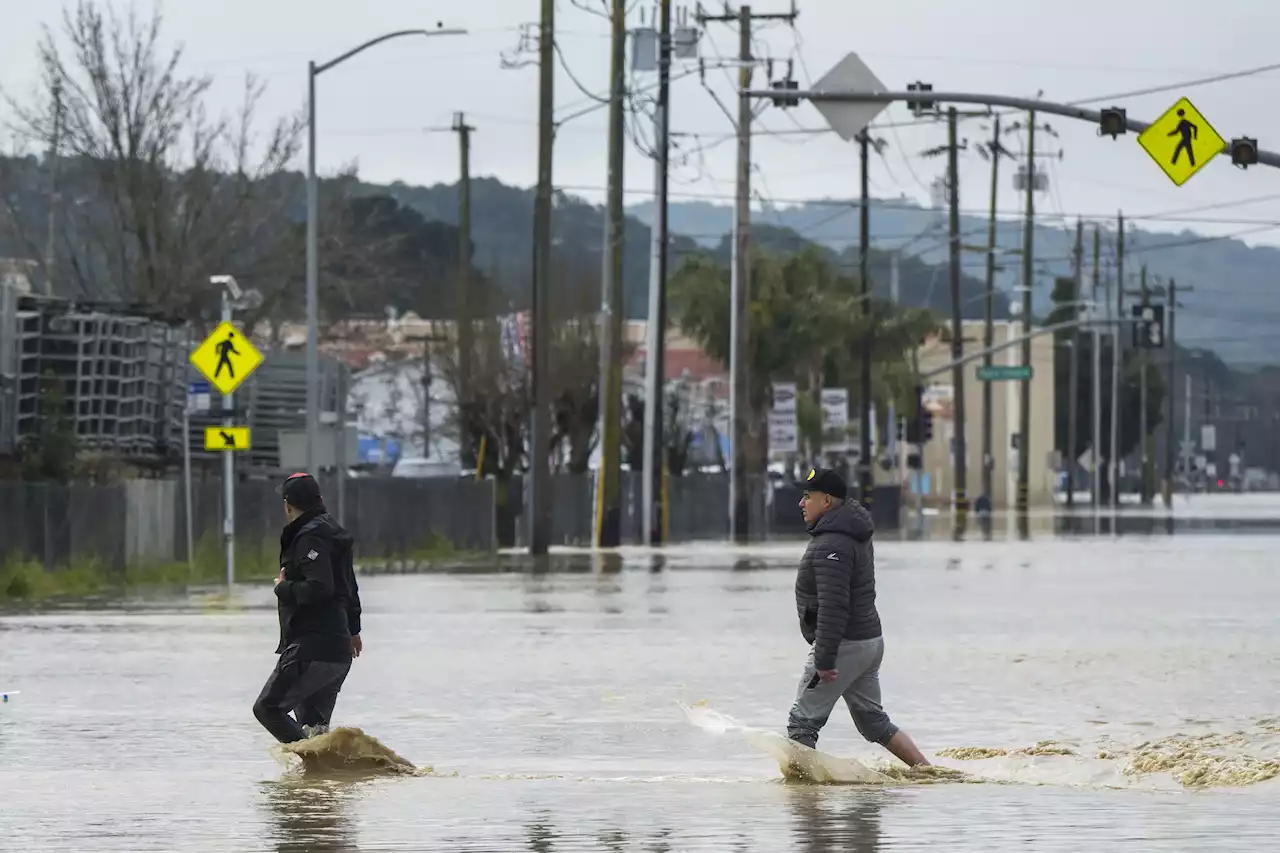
{"x": 226, "y": 358}
{"x": 1181, "y": 142}
{"x": 226, "y": 438}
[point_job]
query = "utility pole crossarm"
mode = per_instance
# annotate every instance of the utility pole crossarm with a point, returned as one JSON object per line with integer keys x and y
{"x": 1265, "y": 158}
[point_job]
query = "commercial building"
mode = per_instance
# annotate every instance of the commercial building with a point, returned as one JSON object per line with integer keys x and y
{"x": 937, "y": 479}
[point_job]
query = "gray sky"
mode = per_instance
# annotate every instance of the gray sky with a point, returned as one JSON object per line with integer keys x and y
{"x": 374, "y": 110}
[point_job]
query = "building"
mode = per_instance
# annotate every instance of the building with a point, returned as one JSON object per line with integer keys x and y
{"x": 937, "y": 479}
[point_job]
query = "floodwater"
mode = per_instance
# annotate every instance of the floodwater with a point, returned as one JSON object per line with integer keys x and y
{"x": 547, "y": 707}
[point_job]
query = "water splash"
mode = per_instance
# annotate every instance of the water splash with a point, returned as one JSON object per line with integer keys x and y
{"x": 344, "y": 751}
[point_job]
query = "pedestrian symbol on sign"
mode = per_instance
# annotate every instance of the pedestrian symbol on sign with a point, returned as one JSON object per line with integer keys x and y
{"x": 1188, "y": 131}
{"x": 226, "y": 349}
{"x": 1181, "y": 142}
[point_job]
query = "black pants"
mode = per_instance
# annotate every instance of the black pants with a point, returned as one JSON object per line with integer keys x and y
{"x": 307, "y": 687}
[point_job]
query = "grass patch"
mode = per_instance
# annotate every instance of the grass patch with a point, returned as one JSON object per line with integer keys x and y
{"x": 28, "y": 580}
{"x": 25, "y": 580}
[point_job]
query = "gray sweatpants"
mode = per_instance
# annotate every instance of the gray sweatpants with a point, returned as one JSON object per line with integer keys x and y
{"x": 858, "y": 662}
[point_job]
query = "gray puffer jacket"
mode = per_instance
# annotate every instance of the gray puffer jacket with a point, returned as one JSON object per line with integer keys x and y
{"x": 836, "y": 585}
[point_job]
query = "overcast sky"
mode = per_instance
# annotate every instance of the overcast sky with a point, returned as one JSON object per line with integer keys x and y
{"x": 376, "y": 109}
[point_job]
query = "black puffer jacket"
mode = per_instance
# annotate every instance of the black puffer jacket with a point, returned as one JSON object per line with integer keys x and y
{"x": 836, "y": 585}
{"x": 318, "y": 600}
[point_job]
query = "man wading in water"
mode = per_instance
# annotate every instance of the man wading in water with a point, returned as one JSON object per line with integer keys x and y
{"x": 319, "y": 605}
{"x": 836, "y": 602}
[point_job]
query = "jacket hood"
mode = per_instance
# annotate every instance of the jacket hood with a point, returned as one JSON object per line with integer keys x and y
{"x": 324, "y": 525}
{"x": 850, "y": 518}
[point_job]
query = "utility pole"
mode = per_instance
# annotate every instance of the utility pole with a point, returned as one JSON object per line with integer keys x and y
{"x": 1073, "y": 383}
{"x": 1095, "y": 444}
{"x": 1028, "y": 279}
{"x": 609, "y": 488}
{"x": 1117, "y": 356}
{"x": 740, "y": 275}
{"x": 959, "y": 453}
{"x": 653, "y": 499}
{"x": 539, "y": 506}
{"x": 864, "y": 276}
{"x": 465, "y": 331}
{"x": 51, "y": 245}
{"x": 988, "y": 313}
{"x": 1171, "y": 403}
{"x": 1142, "y": 397}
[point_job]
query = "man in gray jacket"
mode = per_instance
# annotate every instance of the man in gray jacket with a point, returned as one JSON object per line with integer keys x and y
{"x": 836, "y": 603}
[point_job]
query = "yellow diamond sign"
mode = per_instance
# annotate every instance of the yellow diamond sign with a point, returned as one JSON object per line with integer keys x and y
{"x": 226, "y": 438}
{"x": 1181, "y": 142}
{"x": 226, "y": 358}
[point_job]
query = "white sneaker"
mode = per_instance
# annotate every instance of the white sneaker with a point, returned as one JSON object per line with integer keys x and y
{"x": 312, "y": 731}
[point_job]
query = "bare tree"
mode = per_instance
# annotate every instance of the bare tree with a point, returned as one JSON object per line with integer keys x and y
{"x": 170, "y": 195}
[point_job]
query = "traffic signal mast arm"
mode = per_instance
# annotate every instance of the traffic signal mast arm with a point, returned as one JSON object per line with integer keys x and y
{"x": 1112, "y": 121}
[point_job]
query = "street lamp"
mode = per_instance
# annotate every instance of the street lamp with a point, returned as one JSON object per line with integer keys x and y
{"x": 313, "y": 265}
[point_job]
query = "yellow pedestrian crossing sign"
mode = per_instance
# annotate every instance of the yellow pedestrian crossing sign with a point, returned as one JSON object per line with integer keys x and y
{"x": 226, "y": 358}
{"x": 1181, "y": 142}
{"x": 226, "y": 438}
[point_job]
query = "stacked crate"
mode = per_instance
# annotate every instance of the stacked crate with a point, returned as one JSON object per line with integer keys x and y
{"x": 121, "y": 374}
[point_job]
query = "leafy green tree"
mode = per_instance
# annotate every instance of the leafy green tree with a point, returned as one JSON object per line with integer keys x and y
{"x": 806, "y": 325}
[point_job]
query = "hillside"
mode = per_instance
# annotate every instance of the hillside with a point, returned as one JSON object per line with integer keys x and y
{"x": 1229, "y": 311}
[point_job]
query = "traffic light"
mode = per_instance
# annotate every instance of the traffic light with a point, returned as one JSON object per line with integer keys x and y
{"x": 919, "y": 107}
{"x": 784, "y": 86}
{"x": 926, "y": 426}
{"x": 1244, "y": 152}
{"x": 1148, "y": 326}
{"x": 1113, "y": 122}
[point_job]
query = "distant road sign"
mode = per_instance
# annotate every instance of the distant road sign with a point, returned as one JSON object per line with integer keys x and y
{"x": 1181, "y": 142}
{"x": 226, "y": 358}
{"x": 1005, "y": 372}
{"x": 849, "y": 119}
{"x": 226, "y": 438}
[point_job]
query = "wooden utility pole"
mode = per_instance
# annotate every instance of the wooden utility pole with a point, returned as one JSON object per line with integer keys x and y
{"x": 1171, "y": 309}
{"x": 742, "y": 429}
{"x": 653, "y": 493}
{"x": 609, "y": 487}
{"x": 51, "y": 243}
{"x": 864, "y": 358}
{"x": 538, "y": 508}
{"x": 988, "y": 314}
{"x": 960, "y": 456}
{"x": 1073, "y": 383}
{"x": 465, "y": 311}
{"x": 1028, "y": 281}
{"x": 1142, "y": 405}
{"x": 1095, "y": 443}
{"x": 1117, "y": 356}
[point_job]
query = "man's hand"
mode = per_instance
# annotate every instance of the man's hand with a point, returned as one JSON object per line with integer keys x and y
{"x": 357, "y": 646}
{"x": 828, "y": 675}
{"x": 280, "y": 577}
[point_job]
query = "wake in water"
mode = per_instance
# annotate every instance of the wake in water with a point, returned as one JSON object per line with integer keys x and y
{"x": 344, "y": 752}
{"x": 799, "y": 763}
{"x": 1213, "y": 760}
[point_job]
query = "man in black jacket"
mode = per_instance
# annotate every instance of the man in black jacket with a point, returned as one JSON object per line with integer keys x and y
{"x": 319, "y": 608}
{"x": 836, "y": 603}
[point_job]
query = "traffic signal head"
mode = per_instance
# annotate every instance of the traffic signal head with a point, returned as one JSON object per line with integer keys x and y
{"x": 1113, "y": 122}
{"x": 782, "y": 100}
{"x": 1244, "y": 152}
{"x": 920, "y": 107}
{"x": 926, "y": 426}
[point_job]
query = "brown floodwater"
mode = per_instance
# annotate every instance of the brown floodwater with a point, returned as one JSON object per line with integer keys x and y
{"x": 1096, "y": 694}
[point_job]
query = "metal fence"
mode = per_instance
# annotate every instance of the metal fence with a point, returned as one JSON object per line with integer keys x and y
{"x": 143, "y": 521}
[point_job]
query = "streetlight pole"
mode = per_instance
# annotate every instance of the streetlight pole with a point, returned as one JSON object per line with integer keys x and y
{"x": 313, "y": 262}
